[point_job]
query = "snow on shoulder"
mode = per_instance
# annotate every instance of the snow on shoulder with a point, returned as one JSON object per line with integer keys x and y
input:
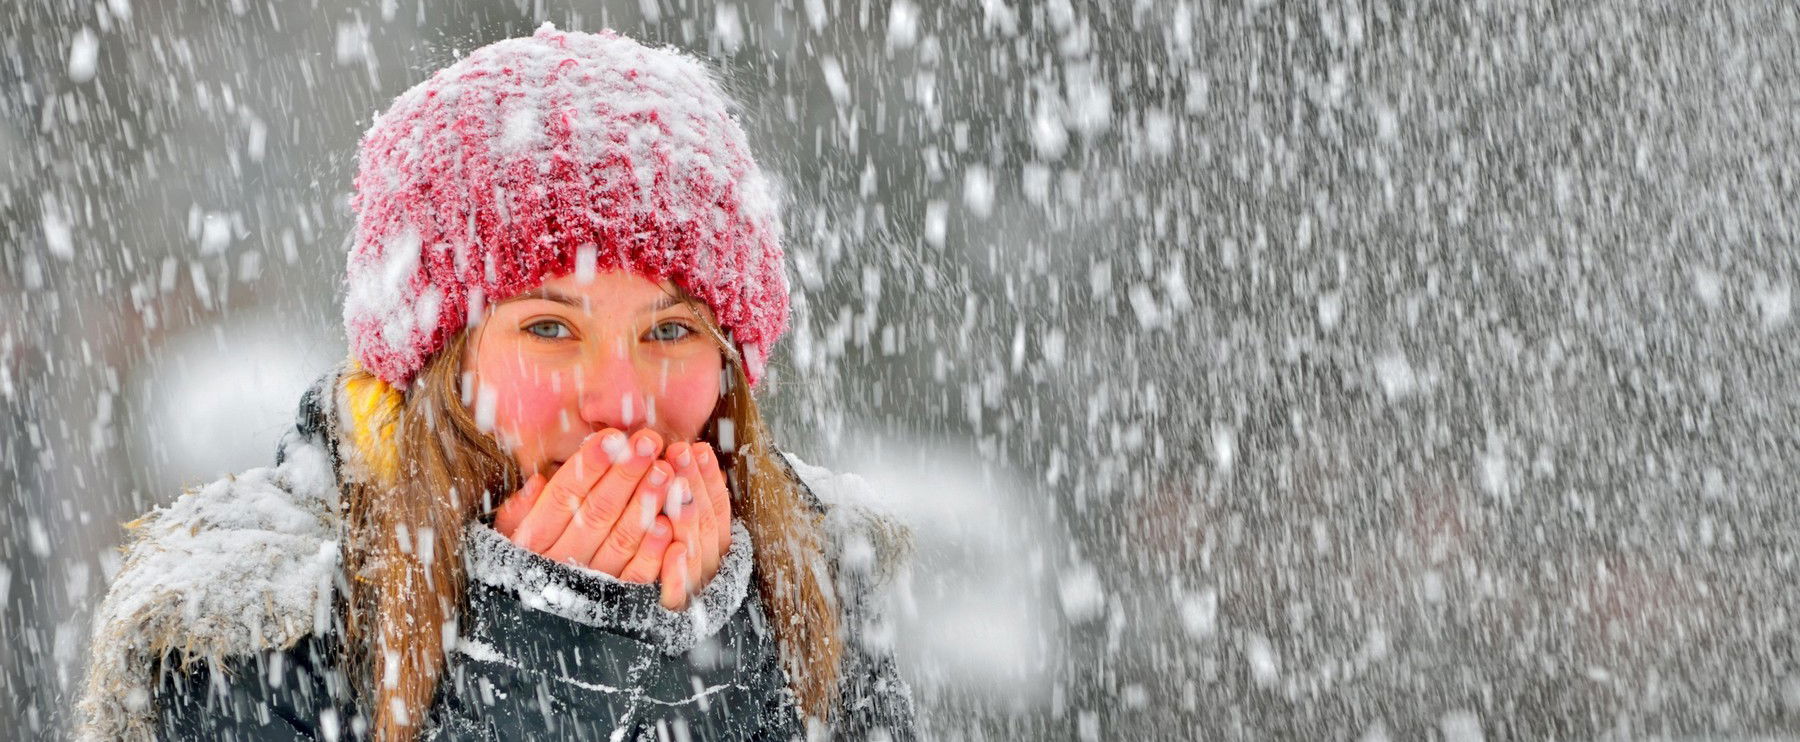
{"x": 268, "y": 533}
{"x": 870, "y": 540}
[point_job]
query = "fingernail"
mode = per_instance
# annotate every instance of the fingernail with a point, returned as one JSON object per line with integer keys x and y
{"x": 677, "y": 497}
{"x": 658, "y": 476}
{"x": 687, "y": 495}
{"x": 686, "y": 459}
{"x": 706, "y": 455}
{"x": 645, "y": 445}
{"x": 648, "y": 513}
{"x": 615, "y": 446}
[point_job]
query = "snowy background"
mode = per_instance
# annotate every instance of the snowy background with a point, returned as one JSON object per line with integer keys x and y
{"x": 1323, "y": 370}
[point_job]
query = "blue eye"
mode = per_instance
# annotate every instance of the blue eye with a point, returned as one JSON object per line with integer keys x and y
{"x": 549, "y": 329}
{"x": 658, "y": 334}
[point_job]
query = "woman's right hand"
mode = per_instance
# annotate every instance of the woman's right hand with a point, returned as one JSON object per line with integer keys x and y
{"x": 600, "y": 510}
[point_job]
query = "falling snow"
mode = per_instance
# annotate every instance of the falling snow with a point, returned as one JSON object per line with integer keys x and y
{"x": 1252, "y": 370}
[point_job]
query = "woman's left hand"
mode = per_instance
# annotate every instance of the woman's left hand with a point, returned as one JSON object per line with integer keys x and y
{"x": 702, "y": 523}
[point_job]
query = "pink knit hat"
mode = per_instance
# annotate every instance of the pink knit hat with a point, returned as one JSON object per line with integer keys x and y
{"x": 508, "y": 167}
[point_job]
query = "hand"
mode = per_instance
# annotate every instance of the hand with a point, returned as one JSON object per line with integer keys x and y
{"x": 599, "y": 510}
{"x": 700, "y": 507}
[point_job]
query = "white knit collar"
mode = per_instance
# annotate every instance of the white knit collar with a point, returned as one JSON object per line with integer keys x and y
{"x": 598, "y": 599}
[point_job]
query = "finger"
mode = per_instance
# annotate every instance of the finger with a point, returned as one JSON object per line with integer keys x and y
{"x": 674, "y": 454}
{"x": 603, "y": 505}
{"x": 675, "y": 577}
{"x": 720, "y": 493}
{"x": 646, "y": 566}
{"x": 621, "y": 544}
{"x": 687, "y": 525}
{"x": 678, "y": 505}
{"x": 563, "y": 494}
{"x": 511, "y": 512}
{"x": 706, "y": 532}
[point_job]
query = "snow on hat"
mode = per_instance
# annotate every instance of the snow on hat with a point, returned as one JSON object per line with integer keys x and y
{"x": 535, "y": 155}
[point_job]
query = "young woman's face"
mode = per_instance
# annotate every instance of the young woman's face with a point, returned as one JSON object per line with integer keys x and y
{"x": 552, "y": 365}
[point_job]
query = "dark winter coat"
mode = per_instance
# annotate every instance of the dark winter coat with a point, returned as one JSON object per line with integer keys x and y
{"x": 224, "y": 624}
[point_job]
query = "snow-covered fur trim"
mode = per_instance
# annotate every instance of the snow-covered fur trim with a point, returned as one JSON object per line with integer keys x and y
{"x": 598, "y": 599}
{"x": 869, "y": 540}
{"x": 241, "y": 565}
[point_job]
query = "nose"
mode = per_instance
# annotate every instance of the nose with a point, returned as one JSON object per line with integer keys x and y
{"x": 616, "y": 388}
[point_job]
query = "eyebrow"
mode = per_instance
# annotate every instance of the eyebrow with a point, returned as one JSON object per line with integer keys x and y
{"x": 577, "y": 303}
{"x": 549, "y": 295}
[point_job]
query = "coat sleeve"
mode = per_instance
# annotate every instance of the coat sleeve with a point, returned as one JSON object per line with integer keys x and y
{"x": 876, "y": 703}
{"x": 870, "y": 550}
{"x": 279, "y": 696}
{"x": 875, "y": 700}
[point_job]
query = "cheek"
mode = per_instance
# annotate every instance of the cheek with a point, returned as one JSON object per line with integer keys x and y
{"x": 688, "y": 401}
{"x": 533, "y": 408}
{"x": 529, "y": 410}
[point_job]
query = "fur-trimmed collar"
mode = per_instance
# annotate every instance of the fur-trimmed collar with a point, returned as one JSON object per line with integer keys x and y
{"x": 242, "y": 565}
{"x": 249, "y": 564}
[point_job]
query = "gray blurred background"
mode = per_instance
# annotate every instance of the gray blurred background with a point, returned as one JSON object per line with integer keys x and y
{"x": 1323, "y": 370}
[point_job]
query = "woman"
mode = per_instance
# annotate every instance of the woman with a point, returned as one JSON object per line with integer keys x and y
{"x": 538, "y": 500}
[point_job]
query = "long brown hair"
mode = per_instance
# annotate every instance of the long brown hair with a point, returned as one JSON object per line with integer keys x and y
{"x": 421, "y": 469}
